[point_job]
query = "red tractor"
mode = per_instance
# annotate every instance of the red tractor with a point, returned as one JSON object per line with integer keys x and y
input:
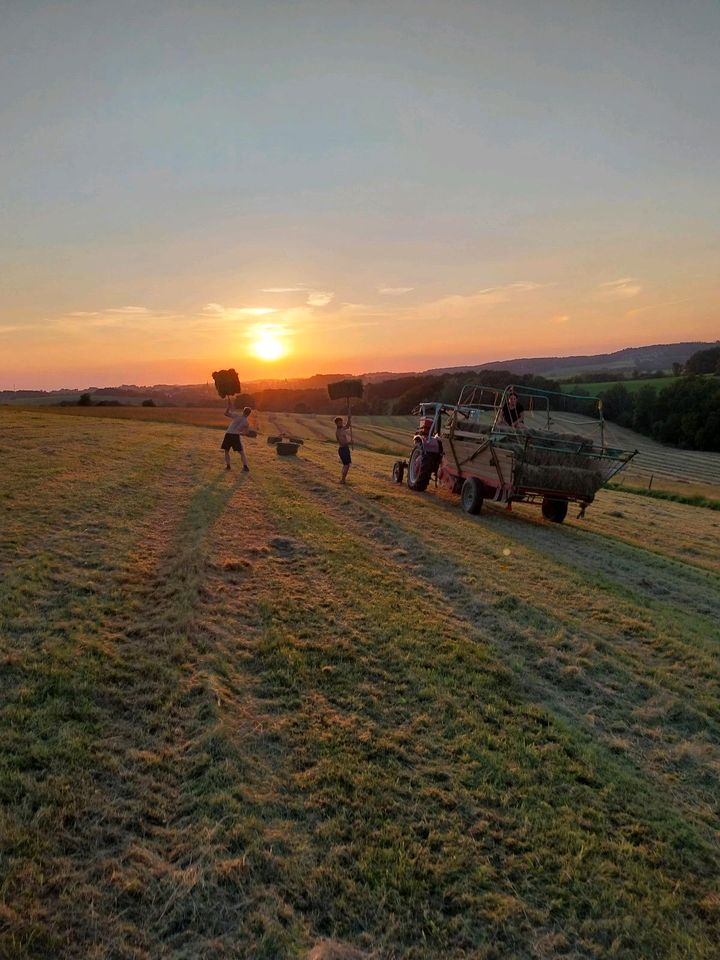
{"x": 513, "y": 445}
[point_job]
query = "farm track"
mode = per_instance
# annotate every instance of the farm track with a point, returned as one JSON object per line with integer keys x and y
{"x": 243, "y": 713}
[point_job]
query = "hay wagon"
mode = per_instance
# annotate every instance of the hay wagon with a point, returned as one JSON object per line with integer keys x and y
{"x": 513, "y": 445}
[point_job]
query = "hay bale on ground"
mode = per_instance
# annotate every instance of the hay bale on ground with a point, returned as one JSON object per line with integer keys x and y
{"x": 287, "y": 449}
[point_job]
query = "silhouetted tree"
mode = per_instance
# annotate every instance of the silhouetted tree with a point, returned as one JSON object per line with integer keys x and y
{"x": 645, "y": 406}
{"x": 618, "y": 405}
{"x": 704, "y": 361}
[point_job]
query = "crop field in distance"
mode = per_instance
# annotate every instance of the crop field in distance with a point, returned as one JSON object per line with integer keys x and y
{"x": 268, "y": 716}
{"x": 632, "y": 386}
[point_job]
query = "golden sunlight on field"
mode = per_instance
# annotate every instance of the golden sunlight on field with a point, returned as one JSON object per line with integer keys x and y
{"x": 243, "y": 713}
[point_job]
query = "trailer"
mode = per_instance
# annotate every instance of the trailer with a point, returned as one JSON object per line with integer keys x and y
{"x": 514, "y": 445}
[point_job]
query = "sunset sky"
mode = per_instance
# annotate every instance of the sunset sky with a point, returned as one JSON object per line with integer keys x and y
{"x": 294, "y": 186}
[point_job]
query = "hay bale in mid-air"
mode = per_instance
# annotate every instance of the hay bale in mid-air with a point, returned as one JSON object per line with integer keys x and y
{"x": 227, "y": 383}
{"x": 346, "y": 390}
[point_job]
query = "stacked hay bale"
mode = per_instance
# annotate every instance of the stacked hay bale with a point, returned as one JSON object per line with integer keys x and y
{"x": 549, "y": 463}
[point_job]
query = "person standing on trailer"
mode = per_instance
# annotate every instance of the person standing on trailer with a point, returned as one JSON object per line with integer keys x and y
{"x": 239, "y": 425}
{"x": 341, "y": 435}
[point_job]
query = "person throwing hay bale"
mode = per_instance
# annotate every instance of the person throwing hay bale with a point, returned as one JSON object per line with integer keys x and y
{"x": 239, "y": 426}
{"x": 341, "y": 435}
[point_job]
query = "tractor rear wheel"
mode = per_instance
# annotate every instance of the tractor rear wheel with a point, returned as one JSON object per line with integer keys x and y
{"x": 420, "y": 468}
{"x": 554, "y": 509}
{"x": 398, "y": 471}
{"x": 471, "y": 495}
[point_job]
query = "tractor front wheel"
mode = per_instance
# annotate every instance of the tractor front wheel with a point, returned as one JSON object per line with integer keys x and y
{"x": 554, "y": 509}
{"x": 471, "y": 495}
{"x": 420, "y": 468}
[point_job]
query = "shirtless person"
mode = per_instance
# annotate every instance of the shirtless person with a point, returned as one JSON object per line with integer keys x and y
{"x": 343, "y": 445}
{"x": 231, "y": 441}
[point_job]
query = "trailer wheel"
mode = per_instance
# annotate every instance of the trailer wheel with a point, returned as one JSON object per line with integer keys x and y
{"x": 420, "y": 468}
{"x": 471, "y": 495}
{"x": 398, "y": 471}
{"x": 554, "y": 509}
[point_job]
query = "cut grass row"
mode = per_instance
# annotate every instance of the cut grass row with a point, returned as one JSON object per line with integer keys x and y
{"x": 693, "y": 500}
{"x": 595, "y": 387}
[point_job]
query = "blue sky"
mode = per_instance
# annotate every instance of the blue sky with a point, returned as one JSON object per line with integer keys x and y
{"x": 394, "y": 185}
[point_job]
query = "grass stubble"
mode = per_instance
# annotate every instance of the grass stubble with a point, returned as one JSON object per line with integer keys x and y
{"x": 245, "y": 715}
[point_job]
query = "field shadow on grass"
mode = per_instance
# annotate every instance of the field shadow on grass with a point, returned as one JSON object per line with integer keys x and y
{"x": 632, "y": 570}
{"x": 94, "y": 730}
{"x": 575, "y": 671}
{"x": 399, "y": 682}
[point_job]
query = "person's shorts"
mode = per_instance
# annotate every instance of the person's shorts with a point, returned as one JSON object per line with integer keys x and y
{"x": 344, "y": 454}
{"x": 231, "y": 441}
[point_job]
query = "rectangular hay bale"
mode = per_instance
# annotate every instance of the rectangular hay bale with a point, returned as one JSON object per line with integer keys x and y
{"x": 574, "y": 481}
{"x": 343, "y": 389}
{"x": 227, "y": 382}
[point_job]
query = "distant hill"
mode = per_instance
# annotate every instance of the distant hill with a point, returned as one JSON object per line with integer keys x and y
{"x": 643, "y": 359}
{"x": 659, "y": 356}
{"x": 318, "y": 380}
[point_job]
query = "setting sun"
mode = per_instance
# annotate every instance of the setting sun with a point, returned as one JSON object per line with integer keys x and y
{"x": 268, "y": 345}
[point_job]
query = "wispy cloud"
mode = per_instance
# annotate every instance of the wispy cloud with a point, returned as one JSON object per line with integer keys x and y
{"x": 560, "y": 319}
{"x": 128, "y": 317}
{"x": 222, "y": 312}
{"x": 394, "y": 291}
{"x": 113, "y": 311}
{"x": 300, "y": 289}
{"x": 655, "y": 306}
{"x": 467, "y": 304}
{"x": 313, "y": 296}
{"x": 621, "y": 289}
{"x": 319, "y": 298}
{"x": 504, "y": 292}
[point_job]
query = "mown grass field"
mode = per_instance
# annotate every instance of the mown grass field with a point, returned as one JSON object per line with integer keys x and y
{"x": 632, "y": 386}
{"x": 260, "y": 715}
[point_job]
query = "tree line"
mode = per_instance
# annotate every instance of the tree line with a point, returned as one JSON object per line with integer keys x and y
{"x": 685, "y": 413}
{"x": 396, "y": 397}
